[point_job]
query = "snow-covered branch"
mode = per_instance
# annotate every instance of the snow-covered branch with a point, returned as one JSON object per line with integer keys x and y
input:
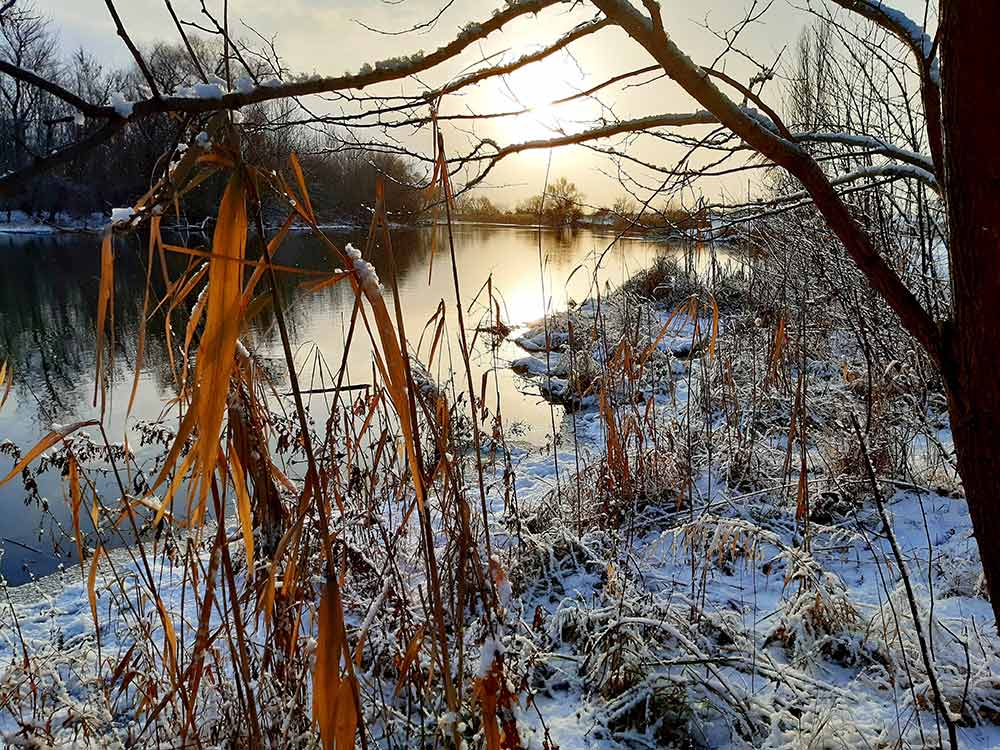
{"x": 212, "y": 96}
{"x": 693, "y": 79}
{"x": 51, "y": 87}
{"x": 869, "y": 142}
{"x": 924, "y": 49}
{"x": 900, "y": 25}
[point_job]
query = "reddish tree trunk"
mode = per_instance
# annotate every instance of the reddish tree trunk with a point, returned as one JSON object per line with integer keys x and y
{"x": 970, "y": 59}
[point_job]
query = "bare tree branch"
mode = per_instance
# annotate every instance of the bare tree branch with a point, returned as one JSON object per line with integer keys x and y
{"x": 133, "y": 49}
{"x": 580, "y": 31}
{"x": 90, "y": 110}
{"x": 390, "y": 70}
{"x": 426, "y": 25}
{"x": 924, "y": 50}
{"x": 187, "y": 42}
{"x": 794, "y": 159}
{"x": 752, "y": 97}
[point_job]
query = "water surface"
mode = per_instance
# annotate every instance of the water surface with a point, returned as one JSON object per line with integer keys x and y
{"x": 48, "y": 302}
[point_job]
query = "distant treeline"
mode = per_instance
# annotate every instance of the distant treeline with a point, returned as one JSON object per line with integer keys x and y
{"x": 562, "y": 205}
{"x": 33, "y": 123}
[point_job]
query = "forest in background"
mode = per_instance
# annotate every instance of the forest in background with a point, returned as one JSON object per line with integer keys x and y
{"x": 33, "y": 122}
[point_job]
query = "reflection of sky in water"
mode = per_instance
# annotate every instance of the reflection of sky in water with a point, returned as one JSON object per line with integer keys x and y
{"x": 48, "y": 292}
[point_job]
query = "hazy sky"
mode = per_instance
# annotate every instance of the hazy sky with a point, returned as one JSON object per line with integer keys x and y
{"x": 322, "y": 36}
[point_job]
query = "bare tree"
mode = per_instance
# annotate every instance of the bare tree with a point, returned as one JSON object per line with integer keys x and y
{"x": 26, "y": 42}
{"x": 560, "y": 205}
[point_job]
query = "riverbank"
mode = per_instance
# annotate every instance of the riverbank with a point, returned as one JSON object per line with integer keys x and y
{"x": 677, "y": 566}
{"x": 21, "y": 223}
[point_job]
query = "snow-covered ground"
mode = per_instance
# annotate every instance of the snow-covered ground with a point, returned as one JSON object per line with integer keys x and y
{"x": 700, "y": 617}
{"x": 18, "y": 222}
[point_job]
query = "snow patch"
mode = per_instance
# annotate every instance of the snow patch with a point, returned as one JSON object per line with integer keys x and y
{"x": 245, "y": 85}
{"x": 121, "y": 105}
{"x": 491, "y": 649}
{"x": 122, "y": 215}
{"x": 367, "y": 276}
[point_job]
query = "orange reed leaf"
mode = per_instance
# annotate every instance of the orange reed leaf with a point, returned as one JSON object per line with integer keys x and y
{"x": 44, "y": 444}
{"x": 242, "y": 505}
{"x": 8, "y": 379}
{"x": 297, "y": 168}
{"x": 170, "y": 637}
{"x": 326, "y": 673}
{"x": 75, "y": 501}
{"x": 222, "y": 327}
{"x": 103, "y": 305}
{"x": 412, "y": 649}
{"x": 92, "y": 585}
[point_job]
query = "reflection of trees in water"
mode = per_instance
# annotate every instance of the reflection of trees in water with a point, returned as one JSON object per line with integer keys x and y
{"x": 48, "y": 307}
{"x": 48, "y": 288}
{"x": 49, "y": 285}
{"x": 411, "y": 250}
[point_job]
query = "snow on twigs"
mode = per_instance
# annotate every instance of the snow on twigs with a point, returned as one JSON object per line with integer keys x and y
{"x": 121, "y": 105}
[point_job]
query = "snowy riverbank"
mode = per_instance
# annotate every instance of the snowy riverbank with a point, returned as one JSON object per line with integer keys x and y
{"x": 699, "y": 604}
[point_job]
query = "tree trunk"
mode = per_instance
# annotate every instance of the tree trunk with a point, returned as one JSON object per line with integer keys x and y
{"x": 970, "y": 57}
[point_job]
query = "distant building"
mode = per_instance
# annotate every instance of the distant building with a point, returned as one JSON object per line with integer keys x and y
{"x": 602, "y": 217}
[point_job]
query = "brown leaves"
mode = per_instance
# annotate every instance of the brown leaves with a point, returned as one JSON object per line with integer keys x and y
{"x": 347, "y": 716}
{"x": 334, "y": 707}
{"x": 217, "y": 350}
{"x": 409, "y": 657}
{"x": 684, "y": 312}
{"x": 297, "y": 168}
{"x": 715, "y": 327}
{"x": 242, "y": 505}
{"x": 486, "y": 690}
{"x": 154, "y": 240}
{"x": 774, "y": 370}
{"x": 496, "y": 703}
{"x": 170, "y": 638}
{"x": 75, "y": 501}
{"x": 92, "y": 586}
{"x": 104, "y": 308}
{"x": 6, "y": 380}
{"x": 222, "y": 326}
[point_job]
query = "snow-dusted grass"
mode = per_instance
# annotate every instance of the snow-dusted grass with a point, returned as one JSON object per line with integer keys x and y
{"x": 694, "y": 560}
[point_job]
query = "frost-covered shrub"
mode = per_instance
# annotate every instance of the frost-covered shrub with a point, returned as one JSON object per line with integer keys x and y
{"x": 966, "y": 660}
{"x": 723, "y": 541}
{"x": 819, "y": 617}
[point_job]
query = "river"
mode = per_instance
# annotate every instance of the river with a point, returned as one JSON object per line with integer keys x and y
{"x": 48, "y": 303}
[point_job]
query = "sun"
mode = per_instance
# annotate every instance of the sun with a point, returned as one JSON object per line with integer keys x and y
{"x": 538, "y": 89}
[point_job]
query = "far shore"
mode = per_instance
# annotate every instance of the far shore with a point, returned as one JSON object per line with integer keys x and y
{"x": 23, "y": 224}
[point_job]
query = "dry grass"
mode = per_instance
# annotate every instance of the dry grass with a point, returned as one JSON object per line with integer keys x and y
{"x": 340, "y": 583}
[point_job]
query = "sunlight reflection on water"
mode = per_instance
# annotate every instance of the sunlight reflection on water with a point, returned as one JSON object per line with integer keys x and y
{"x": 47, "y": 322}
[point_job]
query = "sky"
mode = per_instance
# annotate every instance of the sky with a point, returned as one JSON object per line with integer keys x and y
{"x": 324, "y": 37}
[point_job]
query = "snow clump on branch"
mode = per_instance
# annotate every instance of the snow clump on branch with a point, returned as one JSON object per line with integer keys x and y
{"x": 121, "y": 215}
{"x": 367, "y": 276}
{"x": 121, "y": 105}
{"x": 245, "y": 85}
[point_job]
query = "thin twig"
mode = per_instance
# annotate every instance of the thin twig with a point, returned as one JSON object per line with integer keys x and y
{"x": 910, "y": 596}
